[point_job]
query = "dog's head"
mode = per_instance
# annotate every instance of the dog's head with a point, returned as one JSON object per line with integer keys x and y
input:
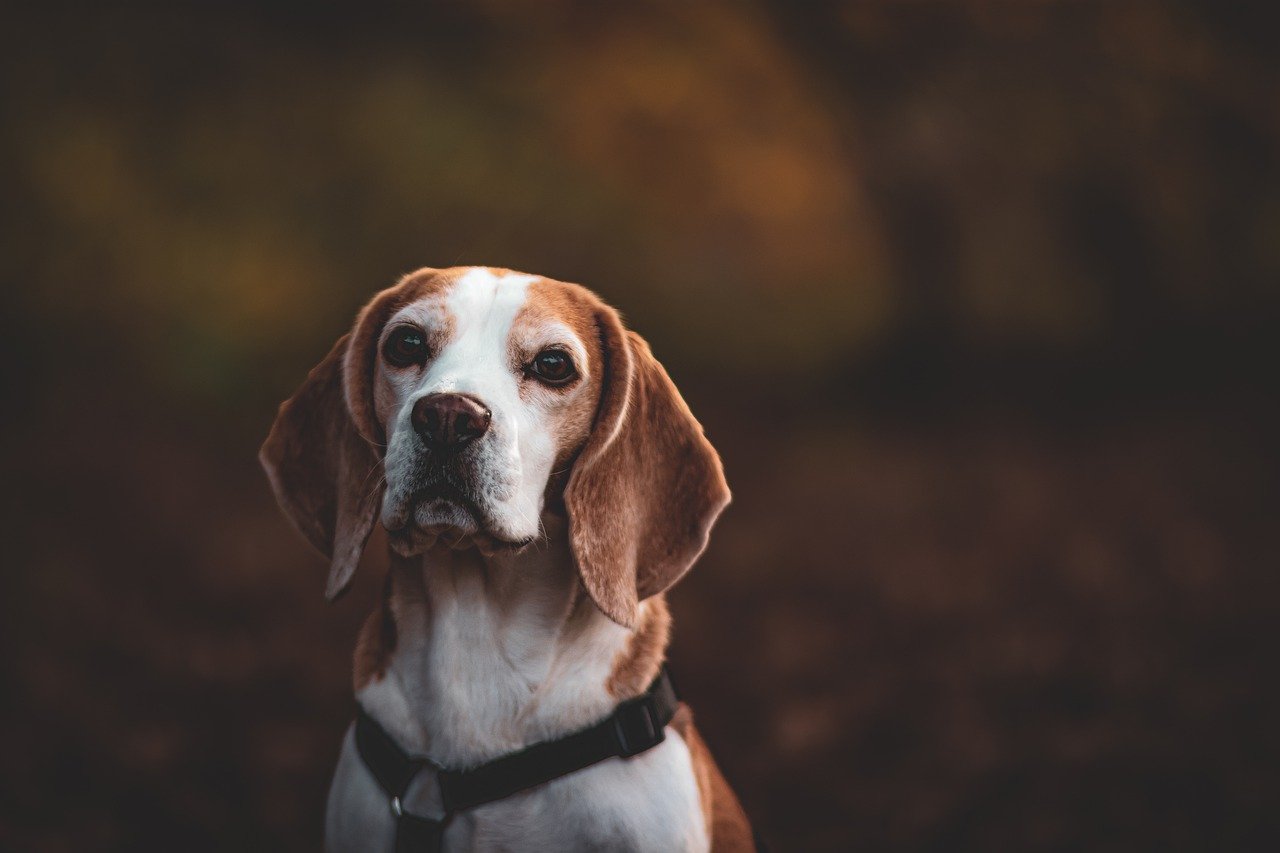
{"x": 468, "y": 402}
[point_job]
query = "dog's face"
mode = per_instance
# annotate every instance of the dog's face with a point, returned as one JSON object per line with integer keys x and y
{"x": 466, "y": 402}
{"x": 484, "y": 385}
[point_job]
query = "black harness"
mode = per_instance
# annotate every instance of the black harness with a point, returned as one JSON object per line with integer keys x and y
{"x": 635, "y": 726}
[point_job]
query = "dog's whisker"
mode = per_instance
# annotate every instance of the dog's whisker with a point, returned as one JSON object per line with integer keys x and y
{"x": 374, "y": 469}
{"x": 382, "y": 481}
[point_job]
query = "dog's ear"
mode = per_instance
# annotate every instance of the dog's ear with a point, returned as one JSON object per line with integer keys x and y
{"x": 647, "y": 485}
{"x": 324, "y": 473}
{"x": 324, "y": 454}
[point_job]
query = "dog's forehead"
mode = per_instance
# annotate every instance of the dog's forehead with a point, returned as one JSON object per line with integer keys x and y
{"x": 497, "y": 304}
{"x": 486, "y": 302}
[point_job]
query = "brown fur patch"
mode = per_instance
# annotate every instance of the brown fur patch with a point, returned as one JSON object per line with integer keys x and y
{"x": 637, "y": 665}
{"x": 318, "y": 464}
{"x": 647, "y": 486}
{"x": 727, "y": 824}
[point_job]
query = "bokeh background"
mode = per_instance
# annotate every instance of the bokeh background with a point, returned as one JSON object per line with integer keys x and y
{"x": 977, "y": 299}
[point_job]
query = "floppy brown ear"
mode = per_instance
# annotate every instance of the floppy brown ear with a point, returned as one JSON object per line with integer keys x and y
{"x": 324, "y": 473}
{"x": 646, "y": 487}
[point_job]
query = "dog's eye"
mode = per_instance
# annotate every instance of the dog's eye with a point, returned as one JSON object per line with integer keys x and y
{"x": 405, "y": 345}
{"x": 553, "y": 367}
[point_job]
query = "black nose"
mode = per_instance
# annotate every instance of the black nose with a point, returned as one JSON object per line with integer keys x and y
{"x": 449, "y": 421}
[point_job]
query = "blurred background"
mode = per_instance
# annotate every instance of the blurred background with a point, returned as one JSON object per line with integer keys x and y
{"x": 978, "y": 301}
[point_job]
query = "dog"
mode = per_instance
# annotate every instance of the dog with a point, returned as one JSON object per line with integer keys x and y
{"x": 542, "y": 483}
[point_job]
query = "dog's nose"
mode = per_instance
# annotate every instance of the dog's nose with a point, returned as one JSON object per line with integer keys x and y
{"x": 449, "y": 421}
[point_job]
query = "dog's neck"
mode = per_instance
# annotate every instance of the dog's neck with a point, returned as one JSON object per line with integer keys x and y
{"x": 472, "y": 656}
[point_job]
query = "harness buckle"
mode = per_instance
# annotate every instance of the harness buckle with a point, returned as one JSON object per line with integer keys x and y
{"x": 397, "y": 808}
{"x": 636, "y": 728}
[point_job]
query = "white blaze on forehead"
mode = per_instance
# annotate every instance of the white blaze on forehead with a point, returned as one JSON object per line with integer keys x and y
{"x": 483, "y": 308}
{"x": 482, "y": 300}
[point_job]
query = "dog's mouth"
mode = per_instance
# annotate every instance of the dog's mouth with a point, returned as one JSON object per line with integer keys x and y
{"x": 443, "y": 513}
{"x": 448, "y": 494}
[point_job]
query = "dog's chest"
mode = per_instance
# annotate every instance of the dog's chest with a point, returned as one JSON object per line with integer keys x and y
{"x": 472, "y": 678}
{"x": 469, "y": 682}
{"x": 646, "y": 803}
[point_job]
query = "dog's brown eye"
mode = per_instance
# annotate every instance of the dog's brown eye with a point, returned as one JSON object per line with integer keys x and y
{"x": 405, "y": 345}
{"x": 553, "y": 367}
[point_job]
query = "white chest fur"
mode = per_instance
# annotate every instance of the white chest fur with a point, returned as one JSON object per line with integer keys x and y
{"x": 491, "y": 657}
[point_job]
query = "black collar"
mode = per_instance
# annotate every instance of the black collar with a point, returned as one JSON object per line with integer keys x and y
{"x": 635, "y": 726}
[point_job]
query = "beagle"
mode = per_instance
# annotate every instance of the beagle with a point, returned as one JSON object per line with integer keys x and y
{"x": 542, "y": 483}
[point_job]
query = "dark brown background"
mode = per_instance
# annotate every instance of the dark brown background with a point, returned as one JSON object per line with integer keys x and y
{"x": 977, "y": 299}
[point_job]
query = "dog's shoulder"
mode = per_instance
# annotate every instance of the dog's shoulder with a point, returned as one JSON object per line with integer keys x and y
{"x": 727, "y": 823}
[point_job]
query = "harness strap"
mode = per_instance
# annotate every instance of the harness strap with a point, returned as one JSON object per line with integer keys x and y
{"x": 635, "y": 726}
